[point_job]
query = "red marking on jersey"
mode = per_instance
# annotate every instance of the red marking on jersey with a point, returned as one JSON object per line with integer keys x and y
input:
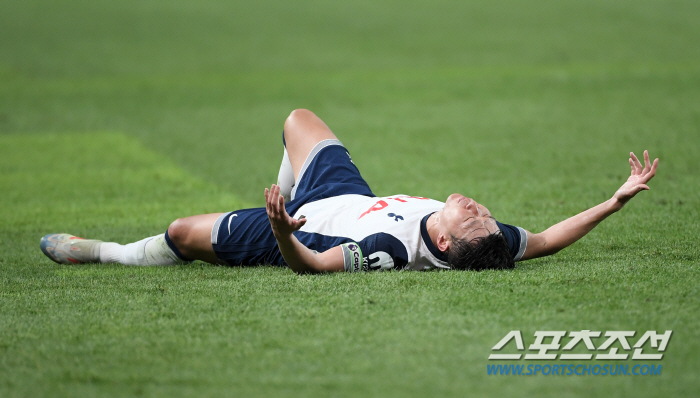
{"x": 401, "y": 198}
{"x": 382, "y": 204}
{"x": 377, "y": 206}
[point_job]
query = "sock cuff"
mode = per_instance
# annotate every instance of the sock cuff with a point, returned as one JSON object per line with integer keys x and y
{"x": 283, "y": 141}
{"x": 175, "y": 250}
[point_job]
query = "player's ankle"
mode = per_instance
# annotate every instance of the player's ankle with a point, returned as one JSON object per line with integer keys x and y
{"x": 110, "y": 252}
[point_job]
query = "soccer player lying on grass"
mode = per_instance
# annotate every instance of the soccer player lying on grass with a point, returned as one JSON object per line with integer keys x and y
{"x": 321, "y": 216}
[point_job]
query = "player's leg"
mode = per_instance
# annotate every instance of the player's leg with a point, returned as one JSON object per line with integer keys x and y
{"x": 187, "y": 239}
{"x": 285, "y": 177}
{"x": 302, "y": 131}
{"x": 192, "y": 237}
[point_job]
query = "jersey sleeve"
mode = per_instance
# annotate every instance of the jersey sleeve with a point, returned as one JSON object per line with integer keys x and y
{"x": 516, "y": 238}
{"x": 377, "y": 252}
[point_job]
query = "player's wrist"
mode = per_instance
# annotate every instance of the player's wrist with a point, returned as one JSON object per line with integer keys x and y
{"x": 615, "y": 204}
{"x": 282, "y": 236}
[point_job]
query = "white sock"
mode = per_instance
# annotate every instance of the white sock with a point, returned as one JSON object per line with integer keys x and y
{"x": 149, "y": 251}
{"x": 285, "y": 179}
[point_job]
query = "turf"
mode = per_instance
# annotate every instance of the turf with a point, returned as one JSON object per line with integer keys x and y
{"x": 118, "y": 117}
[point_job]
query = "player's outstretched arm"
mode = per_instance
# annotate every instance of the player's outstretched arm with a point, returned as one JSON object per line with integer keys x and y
{"x": 299, "y": 257}
{"x": 572, "y": 229}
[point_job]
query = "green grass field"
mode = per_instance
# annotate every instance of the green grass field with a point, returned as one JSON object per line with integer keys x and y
{"x": 118, "y": 117}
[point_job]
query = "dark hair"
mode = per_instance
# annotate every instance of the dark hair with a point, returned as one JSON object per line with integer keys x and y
{"x": 486, "y": 252}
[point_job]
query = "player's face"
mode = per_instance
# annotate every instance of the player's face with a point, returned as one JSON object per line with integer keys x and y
{"x": 463, "y": 218}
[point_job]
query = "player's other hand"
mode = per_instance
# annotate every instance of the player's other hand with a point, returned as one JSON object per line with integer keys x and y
{"x": 281, "y": 222}
{"x": 638, "y": 179}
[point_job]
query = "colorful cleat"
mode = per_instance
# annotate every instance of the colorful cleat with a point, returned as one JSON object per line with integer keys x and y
{"x": 69, "y": 249}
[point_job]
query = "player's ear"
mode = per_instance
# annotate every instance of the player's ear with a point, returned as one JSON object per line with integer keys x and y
{"x": 443, "y": 242}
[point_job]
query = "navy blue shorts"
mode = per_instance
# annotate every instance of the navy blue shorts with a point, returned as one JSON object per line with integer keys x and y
{"x": 244, "y": 237}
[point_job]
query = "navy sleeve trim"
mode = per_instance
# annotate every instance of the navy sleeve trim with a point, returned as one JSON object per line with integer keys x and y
{"x": 516, "y": 238}
{"x": 523, "y": 244}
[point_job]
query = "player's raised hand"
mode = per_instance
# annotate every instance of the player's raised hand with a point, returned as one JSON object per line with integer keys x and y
{"x": 638, "y": 179}
{"x": 281, "y": 222}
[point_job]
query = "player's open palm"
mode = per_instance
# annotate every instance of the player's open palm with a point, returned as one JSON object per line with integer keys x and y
{"x": 282, "y": 223}
{"x": 638, "y": 179}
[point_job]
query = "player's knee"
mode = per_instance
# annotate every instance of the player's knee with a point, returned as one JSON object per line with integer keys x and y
{"x": 302, "y": 125}
{"x": 298, "y": 115}
{"x": 297, "y": 118}
{"x": 178, "y": 232}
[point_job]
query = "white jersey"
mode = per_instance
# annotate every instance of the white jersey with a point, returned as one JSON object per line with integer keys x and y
{"x": 385, "y": 232}
{"x": 388, "y": 229}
